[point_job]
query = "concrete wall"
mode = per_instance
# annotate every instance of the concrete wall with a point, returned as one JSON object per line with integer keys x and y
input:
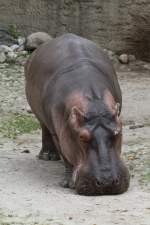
{"x": 120, "y": 25}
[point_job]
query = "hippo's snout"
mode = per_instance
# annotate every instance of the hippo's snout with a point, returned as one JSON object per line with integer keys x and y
{"x": 104, "y": 184}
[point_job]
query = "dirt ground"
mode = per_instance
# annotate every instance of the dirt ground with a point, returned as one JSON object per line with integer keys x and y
{"x": 29, "y": 188}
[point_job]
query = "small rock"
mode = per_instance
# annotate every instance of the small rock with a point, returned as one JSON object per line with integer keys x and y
{"x": 136, "y": 126}
{"x": 22, "y": 53}
{"x": 14, "y": 47}
{"x": 130, "y": 157}
{"x": 36, "y": 39}
{"x": 2, "y": 57}
{"x": 113, "y": 57}
{"x": 146, "y": 66}
{"x": 110, "y": 54}
{"x": 28, "y": 109}
{"x": 21, "y": 48}
{"x": 11, "y": 57}
{"x": 132, "y": 58}
{"x": 105, "y": 50}
{"x": 5, "y": 49}
{"x": 21, "y": 41}
{"x": 25, "y": 151}
{"x": 124, "y": 59}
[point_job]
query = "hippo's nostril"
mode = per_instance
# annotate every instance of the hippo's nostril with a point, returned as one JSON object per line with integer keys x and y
{"x": 98, "y": 183}
{"x": 115, "y": 181}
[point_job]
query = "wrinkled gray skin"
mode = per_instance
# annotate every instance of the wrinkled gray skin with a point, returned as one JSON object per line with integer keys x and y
{"x": 73, "y": 90}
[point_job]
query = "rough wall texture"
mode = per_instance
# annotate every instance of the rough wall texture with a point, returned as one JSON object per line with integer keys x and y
{"x": 120, "y": 25}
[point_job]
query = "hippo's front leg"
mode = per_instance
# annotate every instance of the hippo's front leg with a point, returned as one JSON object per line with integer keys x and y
{"x": 67, "y": 181}
{"x": 48, "y": 151}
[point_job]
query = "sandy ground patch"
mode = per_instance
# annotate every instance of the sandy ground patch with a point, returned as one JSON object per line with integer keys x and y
{"x": 29, "y": 188}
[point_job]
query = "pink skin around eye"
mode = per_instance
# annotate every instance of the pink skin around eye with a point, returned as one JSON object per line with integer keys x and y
{"x": 84, "y": 135}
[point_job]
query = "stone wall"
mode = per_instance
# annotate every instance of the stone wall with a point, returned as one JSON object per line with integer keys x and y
{"x": 119, "y": 25}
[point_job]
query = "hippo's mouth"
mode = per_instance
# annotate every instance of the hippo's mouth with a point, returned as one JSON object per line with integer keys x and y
{"x": 89, "y": 186}
{"x": 90, "y": 189}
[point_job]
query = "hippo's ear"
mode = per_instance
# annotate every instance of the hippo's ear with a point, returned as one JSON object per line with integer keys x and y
{"x": 76, "y": 117}
{"x": 117, "y": 108}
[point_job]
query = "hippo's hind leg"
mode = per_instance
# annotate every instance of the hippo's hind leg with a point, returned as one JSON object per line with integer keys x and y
{"x": 48, "y": 151}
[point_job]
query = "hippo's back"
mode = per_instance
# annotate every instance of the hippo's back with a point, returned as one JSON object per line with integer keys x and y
{"x": 63, "y": 51}
{"x": 66, "y": 50}
{"x": 55, "y": 56}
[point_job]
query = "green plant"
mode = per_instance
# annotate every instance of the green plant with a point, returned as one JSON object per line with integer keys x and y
{"x": 18, "y": 124}
{"x": 13, "y": 31}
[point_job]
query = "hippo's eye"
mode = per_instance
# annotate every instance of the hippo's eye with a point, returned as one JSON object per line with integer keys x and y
{"x": 84, "y": 135}
{"x": 86, "y": 119}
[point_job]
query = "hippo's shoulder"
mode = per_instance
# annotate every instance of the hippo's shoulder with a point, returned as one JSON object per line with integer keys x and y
{"x": 75, "y": 39}
{"x": 69, "y": 36}
{"x": 85, "y": 46}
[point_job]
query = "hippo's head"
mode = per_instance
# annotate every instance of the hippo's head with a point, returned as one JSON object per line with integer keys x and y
{"x": 97, "y": 133}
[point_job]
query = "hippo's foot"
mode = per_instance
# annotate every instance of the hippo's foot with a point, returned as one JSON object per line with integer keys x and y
{"x": 49, "y": 150}
{"x": 53, "y": 156}
{"x": 67, "y": 183}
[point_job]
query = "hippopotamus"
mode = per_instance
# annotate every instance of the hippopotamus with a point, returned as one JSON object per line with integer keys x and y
{"x": 73, "y": 91}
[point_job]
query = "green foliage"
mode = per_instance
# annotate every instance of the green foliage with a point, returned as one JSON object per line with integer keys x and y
{"x": 145, "y": 178}
{"x": 18, "y": 124}
{"x": 13, "y": 31}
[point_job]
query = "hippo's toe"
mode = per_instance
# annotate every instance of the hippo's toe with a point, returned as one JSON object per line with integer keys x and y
{"x": 53, "y": 156}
